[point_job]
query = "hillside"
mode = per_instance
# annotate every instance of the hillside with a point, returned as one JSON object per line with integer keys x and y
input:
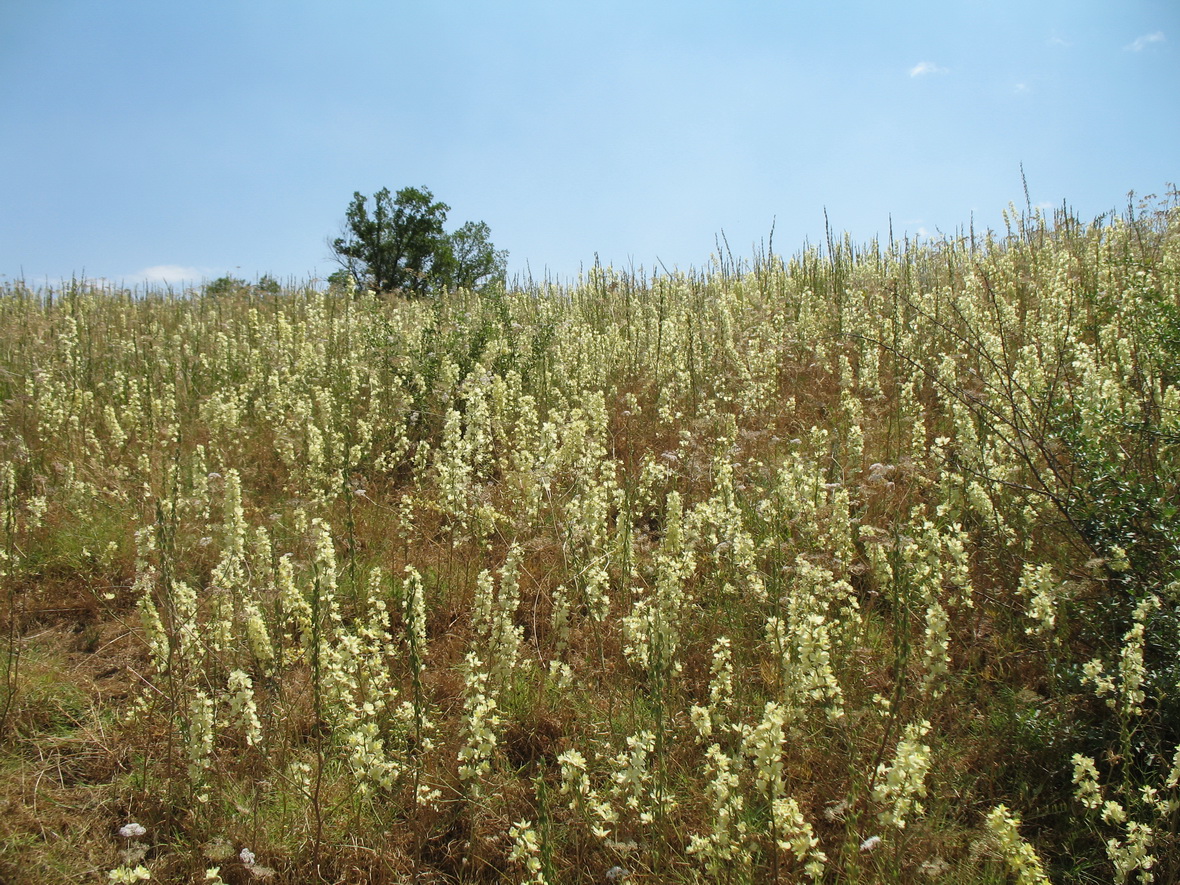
{"x": 861, "y": 566}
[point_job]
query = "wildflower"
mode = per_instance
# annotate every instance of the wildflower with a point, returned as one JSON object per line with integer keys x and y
{"x": 870, "y": 844}
{"x": 562, "y": 675}
{"x": 243, "y": 707}
{"x": 1174, "y": 774}
{"x": 480, "y": 723}
{"x": 247, "y": 857}
{"x": 414, "y": 613}
{"x": 834, "y": 811}
{"x": 1085, "y": 776}
{"x": 573, "y": 773}
{"x": 1118, "y": 560}
{"x": 200, "y": 735}
{"x": 1113, "y": 811}
{"x": 796, "y": 836}
{"x": 368, "y": 759}
{"x": 903, "y": 782}
{"x": 764, "y": 746}
{"x": 1021, "y": 858}
{"x": 129, "y": 875}
{"x": 526, "y": 850}
{"x": 132, "y": 830}
{"x": 1131, "y": 854}
{"x": 1037, "y": 584}
{"x": 706, "y": 719}
{"x": 937, "y": 657}
{"x": 725, "y": 846}
{"x": 632, "y": 773}
{"x": 257, "y": 636}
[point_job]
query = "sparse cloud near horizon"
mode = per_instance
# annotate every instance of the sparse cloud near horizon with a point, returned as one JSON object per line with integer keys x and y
{"x": 1146, "y": 40}
{"x": 923, "y": 68}
{"x": 168, "y": 273}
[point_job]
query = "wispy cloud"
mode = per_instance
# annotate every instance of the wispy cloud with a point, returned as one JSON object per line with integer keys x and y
{"x": 169, "y": 273}
{"x": 922, "y": 68}
{"x": 1146, "y": 40}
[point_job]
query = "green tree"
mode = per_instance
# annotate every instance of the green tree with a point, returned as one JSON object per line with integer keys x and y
{"x": 229, "y": 285}
{"x": 267, "y": 285}
{"x": 472, "y": 261}
{"x": 402, "y": 245}
{"x": 224, "y": 285}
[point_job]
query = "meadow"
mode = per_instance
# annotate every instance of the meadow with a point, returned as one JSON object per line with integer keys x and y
{"x": 859, "y": 566}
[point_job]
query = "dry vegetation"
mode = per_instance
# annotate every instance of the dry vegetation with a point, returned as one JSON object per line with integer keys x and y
{"x": 858, "y": 567}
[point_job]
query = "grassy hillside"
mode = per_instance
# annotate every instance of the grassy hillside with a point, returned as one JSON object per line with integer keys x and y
{"x": 861, "y": 567}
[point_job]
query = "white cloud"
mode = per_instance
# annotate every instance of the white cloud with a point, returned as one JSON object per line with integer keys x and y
{"x": 1146, "y": 40}
{"x": 173, "y": 274}
{"x": 926, "y": 67}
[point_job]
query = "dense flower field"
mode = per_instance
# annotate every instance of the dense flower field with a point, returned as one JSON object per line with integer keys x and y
{"x": 862, "y": 566}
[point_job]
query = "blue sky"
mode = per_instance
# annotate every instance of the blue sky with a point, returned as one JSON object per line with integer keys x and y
{"x": 149, "y": 141}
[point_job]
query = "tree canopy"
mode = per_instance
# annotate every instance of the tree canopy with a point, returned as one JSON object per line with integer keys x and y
{"x": 402, "y": 245}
